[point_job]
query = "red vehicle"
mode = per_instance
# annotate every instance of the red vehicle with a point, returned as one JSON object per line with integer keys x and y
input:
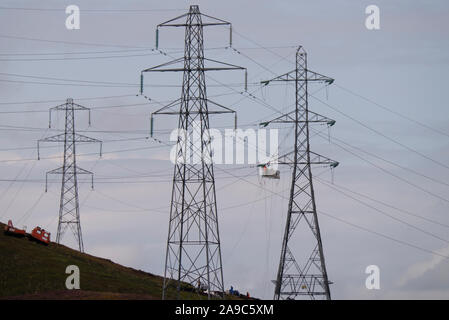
{"x": 11, "y": 230}
{"x": 40, "y": 235}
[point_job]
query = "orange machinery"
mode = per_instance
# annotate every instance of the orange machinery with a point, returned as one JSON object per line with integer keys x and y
{"x": 11, "y": 230}
{"x": 40, "y": 235}
{"x": 37, "y": 234}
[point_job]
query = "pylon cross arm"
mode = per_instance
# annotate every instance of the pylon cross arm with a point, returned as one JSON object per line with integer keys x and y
{"x": 167, "y": 110}
{"x": 161, "y": 67}
{"x": 61, "y": 138}
{"x": 310, "y": 76}
{"x": 315, "y": 159}
{"x": 290, "y": 117}
{"x": 56, "y": 138}
{"x": 83, "y": 138}
{"x": 65, "y": 106}
{"x": 70, "y": 172}
{"x": 173, "y": 23}
{"x": 60, "y": 170}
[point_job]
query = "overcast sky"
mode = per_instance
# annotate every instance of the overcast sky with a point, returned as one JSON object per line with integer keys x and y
{"x": 402, "y": 67}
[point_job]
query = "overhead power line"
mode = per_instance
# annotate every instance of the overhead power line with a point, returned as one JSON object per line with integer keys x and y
{"x": 70, "y": 42}
{"x": 369, "y": 100}
{"x": 85, "y": 154}
{"x": 382, "y": 212}
{"x": 92, "y": 10}
{"x": 80, "y": 58}
{"x": 399, "y": 114}
{"x": 408, "y": 244}
{"x": 382, "y": 134}
{"x": 387, "y": 171}
{"x": 441, "y": 224}
{"x": 100, "y": 83}
{"x": 61, "y": 100}
{"x": 352, "y": 118}
{"x": 345, "y": 221}
{"x": 28, "y": 53}
{"x": 265, "y": 104}
{"x": 441, "y": 182}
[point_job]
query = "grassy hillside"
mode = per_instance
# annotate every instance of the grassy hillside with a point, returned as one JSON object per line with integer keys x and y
{"x": 32, "y": 270}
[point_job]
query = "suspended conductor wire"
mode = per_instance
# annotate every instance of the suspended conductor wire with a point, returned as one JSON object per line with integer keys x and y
{"x": 438, "y": 223}
{"x": 395, "y": 164}
{"x": 244, "y": 229}
{"x": 376, "y": 131}
{"x": 71, "y": 42}
{"x": 388, "y": 172}
{"x": 355, "y": 225}
{"x": 383, "y": 212}
{"x": 387, "y": 138}
{"x": 383, "y": 235}
{"x": 30, "y": 211}
{"x": 70, "y": 53}
{"x": 383, "y": 135}
{"x": 399, "y": 114}
{"x": 77, "y": 58}
{"x": 86, "y": 154}
{"x": 164, "y": 208}
{"x": 15, "y": 180}
{"x": 61, "y": 100}
{"x": 19, "y": 190}
{"x": 140, "y": 10}
{"x": 364, "y": 125}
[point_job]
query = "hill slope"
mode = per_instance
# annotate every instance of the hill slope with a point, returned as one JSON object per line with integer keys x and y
{"x": 32, "y": 270}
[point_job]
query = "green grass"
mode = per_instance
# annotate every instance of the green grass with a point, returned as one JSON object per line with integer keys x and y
{"x": 28, "y": 268}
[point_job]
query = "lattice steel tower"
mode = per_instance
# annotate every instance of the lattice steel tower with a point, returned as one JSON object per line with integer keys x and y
{"x": 69, "y": 215}
{"x": 193, "y": 247}
{"x": 302, "y": 270}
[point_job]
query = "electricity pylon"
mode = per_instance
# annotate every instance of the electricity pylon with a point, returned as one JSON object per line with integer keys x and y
{"x": 302, "y": 270}
{"x": 69, "y": 215}
{"x": 193, "y": 251}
